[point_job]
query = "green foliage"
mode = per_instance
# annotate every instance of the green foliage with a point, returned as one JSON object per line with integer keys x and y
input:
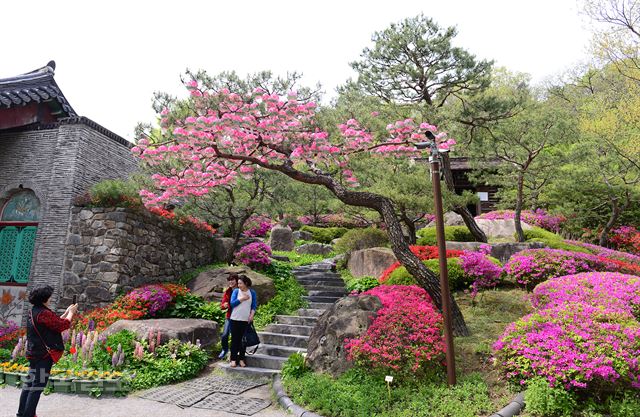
{"x": 362, "y": 284}
{"x": 193, "y": 306}
{"x": 294, "y": 367}
{"x": 457, "y": 279}
{"x": 626, "y": 404}
{"x": 545, "y": 401}
{"x": 101, "y": 358}
{"x": 288, "y": 296}
{"x": 356, "y": 239}
{"x": 325, "y": 234}
{"x": 116, "y": 193}
{"x": 550, "y": 239}
{"x": 359, "y": 394}
{"x": 188, "y": 276}
{"x": 427, "y": 235}
{"x": 5, "y": 354}
{"x": 296, "y": 259}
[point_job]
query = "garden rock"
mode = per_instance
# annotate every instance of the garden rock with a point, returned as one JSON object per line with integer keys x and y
{"x": 300, "y": 235}
{"x": 185, "y": 330}
{"x": 370, "y": 262}
{"x": 450, "y": 219}
{"x": 222, "y": 248}
{"x": 314, "y": 249}
{"x": 281, "y": 238}
{"x": 500, "y": 251}
{"x": 348, "y": 318}
{"x": 211, "y": 284}
{"x": 500, "y": 229}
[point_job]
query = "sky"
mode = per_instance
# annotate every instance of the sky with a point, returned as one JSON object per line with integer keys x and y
{"x": 112, "y": 55}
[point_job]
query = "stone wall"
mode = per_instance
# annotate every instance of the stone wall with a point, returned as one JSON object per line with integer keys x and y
{"x": 58, "y": 162}
{"x": 112, "y": 250}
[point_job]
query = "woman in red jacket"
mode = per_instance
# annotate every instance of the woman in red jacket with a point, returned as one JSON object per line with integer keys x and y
{"x": 232, "y": 282}
{"x": 44, "y": 346}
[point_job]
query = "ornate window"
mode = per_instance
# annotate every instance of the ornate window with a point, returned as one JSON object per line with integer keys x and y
{"x": 18, "y": 226}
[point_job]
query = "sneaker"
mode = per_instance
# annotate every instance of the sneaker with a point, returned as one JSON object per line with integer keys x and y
{"x": 222, "y": 354}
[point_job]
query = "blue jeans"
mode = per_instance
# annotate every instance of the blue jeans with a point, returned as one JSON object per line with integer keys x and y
{"x": 226, "y": 331}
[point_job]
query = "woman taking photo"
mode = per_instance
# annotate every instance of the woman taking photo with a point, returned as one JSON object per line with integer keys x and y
{"x": 243, "y": 303}
{"x": 44, "y": 346}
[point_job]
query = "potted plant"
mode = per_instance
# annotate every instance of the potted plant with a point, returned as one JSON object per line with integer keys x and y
{"x": 62, "y": 383}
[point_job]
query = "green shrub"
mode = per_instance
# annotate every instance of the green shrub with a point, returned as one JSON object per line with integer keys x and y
{"x": 5, "y": 355}
{"x": 457, "y": 279}
{"x": 539, "y": 233}
{"x": 294, "y": 367}
{"x": 325, "y": 234}
{"x": 288, "y": 296}
{"x": 427, "y": 235}
{"x": 116, "y": 193}
{"x": 362, "y": 284}
{"x": 552, "y": 240}
{"x": 356, "y": 239}
{"x": 626, "y": 404}
{"x": 299, "y": 259}
{"x": 545, "y": 401}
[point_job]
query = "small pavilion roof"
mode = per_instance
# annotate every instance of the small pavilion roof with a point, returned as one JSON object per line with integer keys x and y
{"x": 37, "y": 86}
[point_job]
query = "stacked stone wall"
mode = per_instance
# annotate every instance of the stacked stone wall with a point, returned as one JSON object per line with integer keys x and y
{"x": 109, "y": 251}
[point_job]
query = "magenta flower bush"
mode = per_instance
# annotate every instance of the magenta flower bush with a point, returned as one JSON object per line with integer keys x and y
{"x": 8, "y": 327}
{"x": 539, "y": 218}
{"x": 405, "y": 338}
{"x": 607, "y": 253}
{"x": 478, "y": 267}
{"x": 533, "y": 266}
{"x": 156, "y": 296}
{"x": 255, "y": 254}
{"x": 258, "y": 226}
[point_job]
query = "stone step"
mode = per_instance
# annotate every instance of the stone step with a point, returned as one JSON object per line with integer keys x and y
{"x": 320, "y": 299}
{"x": 260, "y": 360}
{"x": 335, "y": 288}
{"x": 321, "y": 282}
{"x": 289, "y": 329}
{"x": 275, "y": 350}
{"x": 249, "y": 371}
{"x": 327, "y": 293}
{"x": 316, "y": 267}
{"x": 311, "y": 312}
{"x": 320, "y": 306}
{"x": 290, "y": 340}
{"x": 300, "y": 320}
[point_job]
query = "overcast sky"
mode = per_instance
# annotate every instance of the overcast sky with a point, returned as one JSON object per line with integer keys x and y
{"x": 111, "y": 56}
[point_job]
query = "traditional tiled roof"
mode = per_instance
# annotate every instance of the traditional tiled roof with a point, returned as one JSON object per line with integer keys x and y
{"x": 36, "y": 86}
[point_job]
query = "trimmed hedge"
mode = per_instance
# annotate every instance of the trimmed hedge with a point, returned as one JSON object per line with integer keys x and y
{"x": 552, "y": 240}
{"x": 325, "y": 234}
{"x": 457, "y": 278}
{"x": 427, "y": 236}
{"x": 356, "y": 239}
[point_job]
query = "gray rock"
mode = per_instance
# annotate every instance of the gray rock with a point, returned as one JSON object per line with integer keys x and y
{"x": 222, "y": 248}
{"x": 300, "y": 235}
{"x": 348, "y": 318}
{"x": 500, "y": 229}
{"x": 185, "y": 330}
{"x": 314, "y": 249}
{"x": 281, "y": 238}
{"x": 453, "y": 219}
{"x": 370, "y": 262}
{"x": 211, "y": 284}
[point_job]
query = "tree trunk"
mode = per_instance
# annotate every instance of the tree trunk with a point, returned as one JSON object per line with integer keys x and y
{"x": 411, "y": 227}
{"x": 463, "y": 211}
{"x": 518, "y": 211}
{"x": 613, "y": 218}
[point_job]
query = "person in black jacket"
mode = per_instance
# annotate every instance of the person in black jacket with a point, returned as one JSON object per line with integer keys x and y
{"x": 44, "y": 346}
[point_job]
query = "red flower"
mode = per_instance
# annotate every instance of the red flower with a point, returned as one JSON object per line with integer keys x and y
{"x": 72, "y": 350}
{"x": 109, "y": 349}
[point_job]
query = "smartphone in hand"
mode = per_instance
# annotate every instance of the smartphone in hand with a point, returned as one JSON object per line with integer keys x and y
{"x": 75, "y": 299}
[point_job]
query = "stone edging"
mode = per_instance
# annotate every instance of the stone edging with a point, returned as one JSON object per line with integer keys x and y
{"x": 286, "y": 402}
{"x": 512, "y": 409}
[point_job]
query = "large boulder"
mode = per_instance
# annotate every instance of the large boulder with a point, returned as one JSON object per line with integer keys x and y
{"x": 281, "y": 238}
{"x": 500, "y": 229}
{"x": 222, "y": 248}
{"x": 301, "y": 235}
{"x": 501, "y": 251}
{"x": 314, "y": 249}
{"x": 211, "y": 284}
{"x": 370, "y": 262}
{"x": 450, "y": 219}
{"x": 348, "y": 318}
{"x": 185, "y": 330}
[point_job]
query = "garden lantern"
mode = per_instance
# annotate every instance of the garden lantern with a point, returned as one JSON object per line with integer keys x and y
{"x": 434, "y": 161}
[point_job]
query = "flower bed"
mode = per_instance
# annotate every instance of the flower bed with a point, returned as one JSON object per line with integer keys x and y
{"x": 423, "y": 253}
{"x": 539, "y": 218}
{"x": 405, "y": 337}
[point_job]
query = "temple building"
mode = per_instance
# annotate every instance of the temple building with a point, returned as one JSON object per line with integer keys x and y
{"x": 48, "y": 156}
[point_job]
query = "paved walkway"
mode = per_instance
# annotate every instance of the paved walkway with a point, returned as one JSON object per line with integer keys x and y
{"x": 67, "y": 405}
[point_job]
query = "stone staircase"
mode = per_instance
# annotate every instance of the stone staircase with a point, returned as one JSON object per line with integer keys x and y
{"x": 289, "y": 334}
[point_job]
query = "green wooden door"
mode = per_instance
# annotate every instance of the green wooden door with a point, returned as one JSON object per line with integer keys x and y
{"x": 16, "y": 253}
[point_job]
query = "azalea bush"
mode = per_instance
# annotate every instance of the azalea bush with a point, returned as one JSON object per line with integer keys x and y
{"x": 9, "y": 334}
{"x": 423, "y": 253}
{"x": 538, "y": 217}
{"x": 457, "y": 278}
{"x": 405, "y": 338}
{"x": 483, "y": 271}
{"x": 258, "y": 226}
{"x": 357, "y": 239}
{"x": 626, "y": 238}
{"x": 257, "y": 254}
{"x": 182, "y": 220}
{"x": 427, "y": 235}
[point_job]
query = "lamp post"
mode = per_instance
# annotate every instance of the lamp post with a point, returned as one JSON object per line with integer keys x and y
{"x": 434, "y": 161}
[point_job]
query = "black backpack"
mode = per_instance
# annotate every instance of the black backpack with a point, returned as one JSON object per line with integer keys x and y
{"x": 250, "y": 338}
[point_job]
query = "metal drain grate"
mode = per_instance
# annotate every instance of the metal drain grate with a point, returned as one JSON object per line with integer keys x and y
{"x": 233, "y": 404}
{"x": 178, "y": 395}
{"x": 223, "y": 385}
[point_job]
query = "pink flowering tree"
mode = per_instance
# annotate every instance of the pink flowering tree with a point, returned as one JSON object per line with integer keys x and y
{"x": 229, "y": 135}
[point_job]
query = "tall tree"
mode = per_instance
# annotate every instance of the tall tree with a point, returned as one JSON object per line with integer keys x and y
{"x": 414, "y": 62}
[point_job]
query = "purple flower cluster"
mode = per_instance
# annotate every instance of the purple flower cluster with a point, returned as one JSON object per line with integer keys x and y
{"x": 538, "y": 217}
{"x": 479, "y": 267}
{"x": 584, "y": 335}
{"x": 258, "y": 226}
{"x": 157, "y": 297}
{"x": 533, "y": 266}
{"x": 8, "y": 327}
{"x": 257, "y": 253}
{"x": 606, "y": 252}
